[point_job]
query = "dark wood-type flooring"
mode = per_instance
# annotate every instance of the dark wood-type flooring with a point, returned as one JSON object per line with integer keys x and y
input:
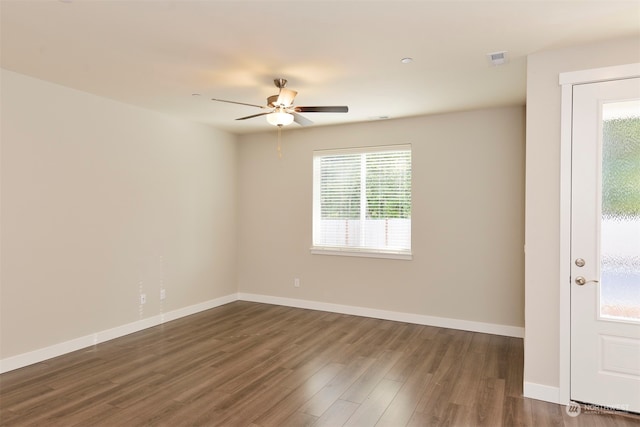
{"x": 248, "y": 364}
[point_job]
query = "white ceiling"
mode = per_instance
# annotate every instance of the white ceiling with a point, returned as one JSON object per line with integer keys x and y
{"x": 156, "y": 54}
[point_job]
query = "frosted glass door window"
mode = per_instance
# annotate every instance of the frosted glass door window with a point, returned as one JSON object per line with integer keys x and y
{"x": 620, "y": 221}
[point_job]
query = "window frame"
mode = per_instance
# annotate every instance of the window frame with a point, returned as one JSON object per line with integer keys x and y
{"x": 356, "y": 251}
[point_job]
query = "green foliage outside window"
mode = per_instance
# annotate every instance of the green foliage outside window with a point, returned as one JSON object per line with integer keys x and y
{"x": 387, "y": 185}
{"x": 621, "y": 168}
{"x": 389, "y": 188}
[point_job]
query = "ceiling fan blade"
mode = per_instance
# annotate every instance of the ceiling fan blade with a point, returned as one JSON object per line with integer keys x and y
{"x": 239, "y": 103}
{"x": 332, "y": 109}
{"x": 285, "y": 97}
{"x": 301, "y": 120}
{"x": 254, "y": 115}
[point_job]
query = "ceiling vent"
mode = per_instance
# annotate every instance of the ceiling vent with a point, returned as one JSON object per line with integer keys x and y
{"x": 497, "y": 58}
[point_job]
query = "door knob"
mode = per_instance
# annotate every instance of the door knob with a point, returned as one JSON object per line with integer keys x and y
{"x": 582, "y": 281}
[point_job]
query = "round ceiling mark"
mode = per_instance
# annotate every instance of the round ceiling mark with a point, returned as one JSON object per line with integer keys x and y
{"x": 406, "y": 60}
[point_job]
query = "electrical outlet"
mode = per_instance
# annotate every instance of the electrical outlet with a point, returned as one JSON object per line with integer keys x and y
{"x": 163, "y": 294}
{"x": 296, "y": 282}
{"x": 143, "y": 299}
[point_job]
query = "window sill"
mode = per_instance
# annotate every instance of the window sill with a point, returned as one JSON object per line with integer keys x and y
{"x": 364, "y": 253}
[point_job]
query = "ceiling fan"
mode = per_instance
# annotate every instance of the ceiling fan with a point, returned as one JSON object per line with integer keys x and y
{"x": 280, "y": 109}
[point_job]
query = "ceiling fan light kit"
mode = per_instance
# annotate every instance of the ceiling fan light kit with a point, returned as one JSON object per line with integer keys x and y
{"x": 281, "y": 110}
{"x": 280, "y": 118}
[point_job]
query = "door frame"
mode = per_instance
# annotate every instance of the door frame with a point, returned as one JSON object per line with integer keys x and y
{"x": 567, "y": 81}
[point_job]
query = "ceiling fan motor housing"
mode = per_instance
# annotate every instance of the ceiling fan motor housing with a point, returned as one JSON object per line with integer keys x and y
{"x": 271, "y": 101}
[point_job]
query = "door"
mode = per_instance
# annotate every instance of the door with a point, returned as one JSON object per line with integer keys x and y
{"x": 605, "y": 244}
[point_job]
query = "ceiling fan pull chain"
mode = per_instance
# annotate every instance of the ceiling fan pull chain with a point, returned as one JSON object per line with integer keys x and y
{"x": 279, "y": 141}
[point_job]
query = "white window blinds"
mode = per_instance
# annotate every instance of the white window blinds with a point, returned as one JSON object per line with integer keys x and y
{"x": 362, "y": 200}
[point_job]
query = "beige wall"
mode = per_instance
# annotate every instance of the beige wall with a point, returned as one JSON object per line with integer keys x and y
{"x": 468, "y": 218}
{"x": 98, "y": 199}
{"x": 542, "y": 202}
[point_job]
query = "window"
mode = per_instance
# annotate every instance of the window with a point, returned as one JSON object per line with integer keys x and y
{"x": 362, "y": 202}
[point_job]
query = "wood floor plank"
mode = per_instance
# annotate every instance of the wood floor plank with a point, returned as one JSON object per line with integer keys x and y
{"x": 411, "y": 358}
{"x": 415, "y": 383}
{"x": 299, "y": 396}
{"x": 546, "y": 414}
{"x": 464, "y": 390}
{"x": 369, "y": 379}
{"x": 337, "y": 414}
{"x": 306, "y": 370}
{"x": 21, "y": 397}
{"x": 249, "y": 409}
{"x": 239, "y": 399}
{"x": 489, "y": 402}
{"x": 258, "y": 365}
{"x": 517, "y": 412}
{"x": 404, "y": 404}
{"x": 496, "y": 362}
{"x": 514, "y": 375}
{"x": 94, "y": 415}
{"x": 299, "y": 419}
{"x": 445, "y": 416}
{"x": 438, "y": 395}
{"x": 370, "y": 411}
{"x": 324, "y": 398}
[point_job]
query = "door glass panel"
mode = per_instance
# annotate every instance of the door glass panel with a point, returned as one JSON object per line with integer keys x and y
{"x": 620, "y": 224}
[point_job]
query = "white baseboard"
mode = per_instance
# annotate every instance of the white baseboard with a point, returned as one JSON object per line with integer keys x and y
{"x": 36, "y": 356}
{"x": 541, "y": 392}
{"x": 419, "y": 319}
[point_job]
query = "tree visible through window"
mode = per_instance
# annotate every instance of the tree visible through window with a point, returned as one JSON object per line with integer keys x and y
{"x": 362, "y": 199}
